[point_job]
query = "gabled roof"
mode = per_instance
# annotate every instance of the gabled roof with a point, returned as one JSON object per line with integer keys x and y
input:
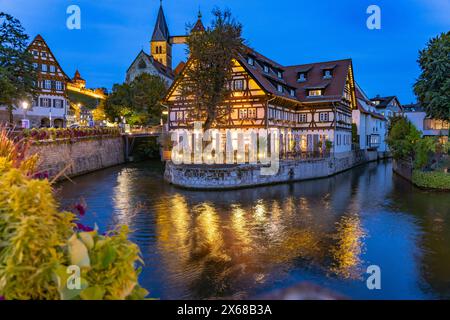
{"x": 333, "y": 89}
{"x": 384, "y": 101}
{"x": 161, "y": 31}
{"x": 162, "y": 69}
{"x": 39, "y": 38}
{"x": 362, "y": 100}
{"x": 77, "y": 76}
{"x": 198, "y": 27}
{"x": 413, "y": 107}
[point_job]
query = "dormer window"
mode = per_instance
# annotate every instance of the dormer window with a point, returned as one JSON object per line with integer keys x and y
{"x": 279, "y": 88}
{"x": 280, "y": 75}
{"x": 327, "y": 74}
{"x": 314, "y": 93}
{"x": 251, "y": 61}
{"x": 301, "y": 77}
{"x": 266, "y": 68}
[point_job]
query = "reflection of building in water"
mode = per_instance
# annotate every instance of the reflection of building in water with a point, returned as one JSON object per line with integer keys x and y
{"x": 212, "y": 247}
{"x": 348, "y": 247}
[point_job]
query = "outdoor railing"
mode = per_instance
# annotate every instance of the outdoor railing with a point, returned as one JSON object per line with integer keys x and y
{"x": 138, "y": 130}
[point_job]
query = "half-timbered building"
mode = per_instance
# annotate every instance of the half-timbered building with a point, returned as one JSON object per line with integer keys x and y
{"x": 49, "y": 107}
{"x": 309, "y": 103}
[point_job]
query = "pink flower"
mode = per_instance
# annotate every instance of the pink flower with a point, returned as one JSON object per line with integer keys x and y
{"x": 82, "y": 227}
{"x": 81, "y": 209}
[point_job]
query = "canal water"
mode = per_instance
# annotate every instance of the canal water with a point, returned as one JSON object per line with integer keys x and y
{"x": 244, "y": 243}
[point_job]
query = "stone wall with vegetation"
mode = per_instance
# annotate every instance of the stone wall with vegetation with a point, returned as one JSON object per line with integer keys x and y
{"x": 236, "y": 176}
{"x": 77, "y": 157}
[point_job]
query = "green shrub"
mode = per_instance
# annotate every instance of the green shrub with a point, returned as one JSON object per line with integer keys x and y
{"x": 38, "y": 243}
{"x": 432, "y": 179}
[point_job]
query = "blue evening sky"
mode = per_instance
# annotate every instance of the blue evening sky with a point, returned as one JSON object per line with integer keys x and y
{"x": 288, "y": 31}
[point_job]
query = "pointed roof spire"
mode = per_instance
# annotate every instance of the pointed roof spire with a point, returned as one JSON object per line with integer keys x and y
{"x": 161, "y": 32}
{"x": 198, "y": 27}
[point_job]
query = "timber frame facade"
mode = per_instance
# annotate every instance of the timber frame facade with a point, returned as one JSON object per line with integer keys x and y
{"x": 309, "y": 104}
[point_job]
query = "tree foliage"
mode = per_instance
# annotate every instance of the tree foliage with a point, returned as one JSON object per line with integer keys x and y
{"x": 406, "y": 143}
{"x": 401, "y": 138}
{"x": 210, "y": 68}
{"x": 17, "y": 74}
{"x": 138, "y": 102}
{"x": 38, "y": 242}
{"x": 433, "y": 86}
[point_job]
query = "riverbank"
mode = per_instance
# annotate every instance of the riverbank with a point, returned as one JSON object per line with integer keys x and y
{"x": 432, "y": 180}
{"x": 221, "y": 177}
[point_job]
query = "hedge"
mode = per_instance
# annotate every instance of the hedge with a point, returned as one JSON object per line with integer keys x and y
{"x": 434, "y": 179}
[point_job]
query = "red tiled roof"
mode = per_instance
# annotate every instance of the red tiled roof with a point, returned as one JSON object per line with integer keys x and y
{"x": 179, "y": 68}
{"x": 333, "y": 88}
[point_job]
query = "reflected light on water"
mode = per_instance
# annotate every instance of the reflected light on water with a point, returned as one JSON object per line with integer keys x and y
{"x": 347, "y": 249}
{"x": 199, "y": 245}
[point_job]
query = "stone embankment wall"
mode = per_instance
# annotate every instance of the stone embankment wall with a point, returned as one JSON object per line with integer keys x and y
{"x": 78, "y": 157}
{"x": 403, "y": 168}
{"x": 245, "y": 175}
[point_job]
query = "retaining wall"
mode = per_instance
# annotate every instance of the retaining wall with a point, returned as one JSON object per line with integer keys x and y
{"x": 78, "y": 157}
{"x": 245, "y": 175}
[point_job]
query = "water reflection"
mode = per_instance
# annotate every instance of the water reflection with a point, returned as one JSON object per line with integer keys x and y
{"x": 245, "y": 242}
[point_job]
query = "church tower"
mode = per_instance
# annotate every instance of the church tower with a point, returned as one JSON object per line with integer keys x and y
{"x": 160, "y": 46}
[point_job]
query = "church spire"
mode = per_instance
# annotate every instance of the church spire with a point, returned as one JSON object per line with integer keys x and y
{"x": 161, "y": 31}
{"x": 198, "y": 27}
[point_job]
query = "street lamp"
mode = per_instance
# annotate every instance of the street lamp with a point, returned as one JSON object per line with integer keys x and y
{"x": 25, "y": 107}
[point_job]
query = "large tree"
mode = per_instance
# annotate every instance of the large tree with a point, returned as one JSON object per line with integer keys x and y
{"x": 210, "y": 68}
{"x": 138, "y": 102}
{"x": 17, "y": 74}
{"x": 433, "y": 86}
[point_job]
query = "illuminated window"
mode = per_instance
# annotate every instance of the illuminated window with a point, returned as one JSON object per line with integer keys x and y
{"x": 313, "y": 93}
{"x": 242, "y": 113}
{"x": 179, "y": 115}
{"x": 252, "y": 113}
{"x": 432, "y": 124}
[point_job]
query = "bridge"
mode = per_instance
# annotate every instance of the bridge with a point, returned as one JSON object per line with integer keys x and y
{"x": 130, "y": 135}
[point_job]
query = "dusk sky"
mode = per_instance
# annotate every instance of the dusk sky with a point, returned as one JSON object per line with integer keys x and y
{"x": 288, "y": 31}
